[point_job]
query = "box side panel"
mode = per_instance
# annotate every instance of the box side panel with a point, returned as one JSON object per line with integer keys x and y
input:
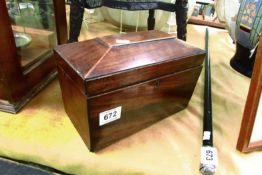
{"x": 142, "y": 105}
{"x": 78, "y": 81}
{"x": 75, "y": 104}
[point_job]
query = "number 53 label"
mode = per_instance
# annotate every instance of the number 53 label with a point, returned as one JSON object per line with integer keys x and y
{"x": 109, "y": 116}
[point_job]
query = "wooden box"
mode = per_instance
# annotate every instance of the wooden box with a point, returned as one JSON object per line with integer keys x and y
{"x": 116, "y": 85}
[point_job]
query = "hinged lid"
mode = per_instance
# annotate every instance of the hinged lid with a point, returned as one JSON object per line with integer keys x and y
{"x": 133, "y": 38}
{"x": 116, "y": 61}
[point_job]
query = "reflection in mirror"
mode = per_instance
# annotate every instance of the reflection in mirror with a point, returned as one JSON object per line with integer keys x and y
{"x": 33, "y": 25}
{"x": 256, "y": 135}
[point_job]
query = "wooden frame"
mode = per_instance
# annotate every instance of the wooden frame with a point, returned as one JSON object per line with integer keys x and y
{"x": 244, "y": 144}
{"x": 17, "y": 84}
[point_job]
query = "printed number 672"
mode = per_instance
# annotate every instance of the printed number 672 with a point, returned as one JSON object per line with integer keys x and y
{"x": 110, "y": 115}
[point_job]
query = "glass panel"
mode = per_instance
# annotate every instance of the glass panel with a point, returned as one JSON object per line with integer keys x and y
{"x": 33, "y": 24}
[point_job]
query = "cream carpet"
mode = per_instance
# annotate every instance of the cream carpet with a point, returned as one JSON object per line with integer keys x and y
{"x": 43, "y": 133}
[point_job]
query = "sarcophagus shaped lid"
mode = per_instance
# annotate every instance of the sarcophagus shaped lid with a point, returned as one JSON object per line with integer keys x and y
{"x": 111, "y": 62}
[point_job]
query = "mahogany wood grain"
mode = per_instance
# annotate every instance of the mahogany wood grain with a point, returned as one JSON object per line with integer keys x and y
{"x": 9, "y": 62}
{"x": 105, "y": 64}
{"x": 249, "y": 116}
{"x": 142, "y": 105}
{"x": 150, "y": 78}
{"x": 132, "y": 37}
{"x": 75, "y": 104}
{"x": 60, "y": 19}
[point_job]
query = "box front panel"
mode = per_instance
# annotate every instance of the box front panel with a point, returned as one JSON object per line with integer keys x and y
{"x": 127, "y": 110}
{"x": 112, "y": 82}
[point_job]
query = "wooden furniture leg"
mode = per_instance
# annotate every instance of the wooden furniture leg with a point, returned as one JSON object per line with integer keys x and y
{"x": 151, "y": 20}
{"x": 181, "y": 18}
{"x": 75, "y": 21}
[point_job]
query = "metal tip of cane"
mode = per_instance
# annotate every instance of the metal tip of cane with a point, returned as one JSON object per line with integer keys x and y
{"x": 207, "y": 169}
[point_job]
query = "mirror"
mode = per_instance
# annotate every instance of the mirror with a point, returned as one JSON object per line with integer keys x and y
{"x": 250, "y": 136}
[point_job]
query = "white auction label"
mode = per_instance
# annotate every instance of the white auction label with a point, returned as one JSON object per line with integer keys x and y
{"x": 207, "y": 135}
{"x": 209, "y": 155}
{"x": 109, "y": 116}
{"x": 122, "y": 41}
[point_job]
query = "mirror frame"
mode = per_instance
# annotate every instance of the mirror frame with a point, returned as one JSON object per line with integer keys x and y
{"x": 251, "y": 107}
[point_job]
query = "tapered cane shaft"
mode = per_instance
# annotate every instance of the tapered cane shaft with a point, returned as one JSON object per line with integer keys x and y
{"x": 207, "y": 124}
{"x": 208, "y": 153}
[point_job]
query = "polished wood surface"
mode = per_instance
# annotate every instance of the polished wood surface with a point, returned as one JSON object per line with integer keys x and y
{"x": 132, "y": 37}
{"x": 150, "y": 79}
{"x": 18, "y": 85}
{"x": 198, "y": 20}
{"x": 103, "y": 65}
{"x": 9, "y": 61}
{"x": 75, "y": 104}
{"x": 249, "y": 116}
{"x": 142, "y": 105}
{"x": 60, "y": 19}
